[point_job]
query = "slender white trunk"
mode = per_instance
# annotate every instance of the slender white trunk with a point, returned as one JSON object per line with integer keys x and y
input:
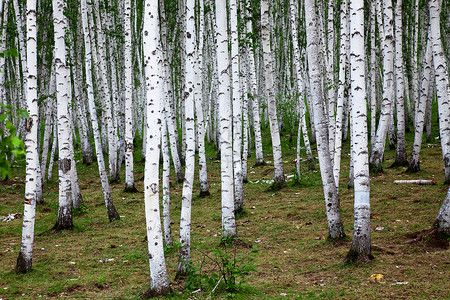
{"x": 414, "y": 165}
{"x": 105, "y": 91}
{"x": 400, "y": 157}
{"x": 225, "y": 122}
{"x": 54, "y": 146}
{"x": 237, "y": 109}
{"x": 259, "y": 158}
{"x": 442, "y": 221}
{"x": 24, "y": 261}
{"x": 198, "y": 94}
{"x": 330, "y": 84}
{"x": 377, "y": 153}
{"x": 48, "y": 126}
{"x": 63, "y": 95}
{"x": 343, "y": 58}
{"x": 129, "y": 150}
{"x": 271, "y": 101}
{"x": 186, "y": 201}
{"x": 111, "y": 210}
{"x": 361, "y": 245}
{"x": 335, "y": 227}
{"x": 168, "y": 241}
{"x": 373, "y": 75}
{"x": 159, "y": 282}
{"x": 442, "y": 83}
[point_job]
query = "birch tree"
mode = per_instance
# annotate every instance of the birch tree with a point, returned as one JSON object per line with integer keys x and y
{"x": 225, "y": 123}
{"x": 271, "y": 101}
{"x": 63, "y": 95}
{"x": 377, "y": 153}
{"x": 129, "y": 162}
{"x": 400, "y": 157}
{"x": 159, "y": 282}
{"x": 335, "y": 226}
{"x": 110, "y": 208}
{"x": 186, "y": 201}
{"x": 442, "y": 83}
{"x": 25, "y": 259}
{"x": 442, "y": 222}
{"x": 361, "y": 246}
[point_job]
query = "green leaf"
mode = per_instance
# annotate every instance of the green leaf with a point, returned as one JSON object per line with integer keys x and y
{"x": 23, "y": 113}
{"x": 3, "y": 117}
{"x": 16, "y": 142}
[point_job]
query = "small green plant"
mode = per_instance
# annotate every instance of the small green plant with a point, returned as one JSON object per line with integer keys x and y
{"x": 227, "y": 270}
{"x": 10, "y": 144}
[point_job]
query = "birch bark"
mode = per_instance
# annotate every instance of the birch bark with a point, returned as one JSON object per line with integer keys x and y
{"x": 110, "y": 208}
{"x": 361, "y": 245}
{"x": 63, "y": 94}
{"x": 400, "y": 157}
{"x": 159, "y": 282}
{"x": 25, "y": 258}
{"x": 225, "y": 123}
{"x": 442, "y": 83}
{"x": 377, "y": 153}
{"x": 271, "y": 101}
{"x": 414, "y": 162}
{"x": 186, "y": 201}
{"x": 129, "y": 149}
{"x": 237, "y": 110}
{"x": 335, "y": 226}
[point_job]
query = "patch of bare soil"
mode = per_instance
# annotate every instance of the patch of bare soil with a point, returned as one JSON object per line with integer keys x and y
{"x": 428, "y": 238}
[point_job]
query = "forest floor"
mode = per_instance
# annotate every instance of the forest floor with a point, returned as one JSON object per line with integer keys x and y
{"x": 287, "y": 228}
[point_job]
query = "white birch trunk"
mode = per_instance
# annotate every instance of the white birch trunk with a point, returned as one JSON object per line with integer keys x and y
{"x": 442, "y": 83}
{"x": 400, "y": 157}
{"x": 271, "y": 101}
{"x": 377, "y": 153}
{"x": 24, "y": 260}
{"x": 129, "y": 150}
{"x": 159, "y": 282}
{"x": 225, "y": 123}
{"x": 414, "y": 162}
{"x": 186, "y": 201}
{"x": 343, "y": 58}
{"x": 237, "y": 110}
{"x": 442, "y": 222}
{"x": 259, "y": 157}
{"x": 168, "y": 241}
{"x": 361, "y": 245}
{"x": 330, "y": 84}
{"x": 105, "y": 91}
{"x": 63, "y": 94}
{"x": 198, "y": 94}
{"x": 111, "y": 210}
{"x": 373, "y": 75}
{"x": 54, "y": 147}
{"x": 335, "y": 227}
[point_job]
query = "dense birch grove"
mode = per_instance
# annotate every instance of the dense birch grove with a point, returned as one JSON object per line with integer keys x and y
{"x": 107, "y": 79}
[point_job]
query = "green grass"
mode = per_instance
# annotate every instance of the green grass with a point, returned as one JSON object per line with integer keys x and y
{"x": 288, "y": 227}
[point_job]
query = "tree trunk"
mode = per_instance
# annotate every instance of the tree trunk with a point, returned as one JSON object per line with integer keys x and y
{"x": 377, "y": 153}
{"x": 361, "y": 245}
{"x": 110, "y": 208}
{"x": 335, "y": 226}
{"x": 63, "y": 94}
{"x": 186, "y": 201}
{"x": 400, "y": 157}
{"x": 129, "y": 148}
{"x": 159, "y": 282}
{"x": 442, "y": 84}
{"x": 24, "y": 261}
{"x": 271, "y": 101}
{"x": 225, "y": 123}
